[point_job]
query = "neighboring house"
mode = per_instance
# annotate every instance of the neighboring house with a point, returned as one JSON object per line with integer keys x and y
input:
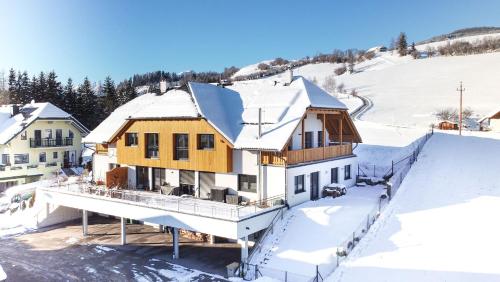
{"x": 448, "y": 125}
{"x": 255, "y": 139}
{"x": 491, "y": 121}
{"x": 36, "y": 140}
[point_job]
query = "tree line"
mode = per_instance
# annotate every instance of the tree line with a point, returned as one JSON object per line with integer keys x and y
{"x": 88, "y": 103}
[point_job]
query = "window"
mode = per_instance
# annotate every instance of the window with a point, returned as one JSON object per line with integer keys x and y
{"x": 71, "y": 134}
{"x": 5, "y": 159}
{"x": 299, "y": 184}
{"x": 59, "y": 140}
{"x": 335, "y": 175}
{"x": 21, "y": 158}
{"x": 205, "y": 141}
{"x": 23, "y": 135}
{"x": 181, "y": 147}
{"x": 152, "y": 145}
{"x": 131, "y": 139}
{"x": 54, "y": 155}
{"x": 247, "y": 183}
{"x": 347, "y": 172}
{"x": 320, "y": 138}
{"x": 158, "y": 178}
{"x": 308, "y": 139}
{"x": 48, "y": 133}
{"x": 42, "y": 157}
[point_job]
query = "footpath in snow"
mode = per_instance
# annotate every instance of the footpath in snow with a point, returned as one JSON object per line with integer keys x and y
{"x": 310, "y": 233}
{"x": 441, "y": 226}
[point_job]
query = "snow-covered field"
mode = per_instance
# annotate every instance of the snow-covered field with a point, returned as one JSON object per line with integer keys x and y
{"x": 310, "y": 233}
{"x": 441, "y": 225}
{"x": 408, "y": 92}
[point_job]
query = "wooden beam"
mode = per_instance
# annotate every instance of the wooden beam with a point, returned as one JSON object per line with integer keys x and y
{"x": 303, "y": 141}
{"x": 340, "y": 121}
{"x": 324, "y": 134}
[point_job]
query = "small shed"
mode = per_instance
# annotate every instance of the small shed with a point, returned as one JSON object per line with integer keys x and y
{"x": 448, "y": 125}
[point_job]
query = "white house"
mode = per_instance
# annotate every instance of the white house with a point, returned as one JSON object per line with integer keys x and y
{"x": 492, "y": 120}
{"x": 36, "y": 139}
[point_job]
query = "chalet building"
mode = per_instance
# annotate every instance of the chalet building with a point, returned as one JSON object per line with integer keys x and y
{"x": 491, "y": 121}
{"x": 242, "y": 143}
{"x": 223, "y": 161}
{"x": 36, "y": 139}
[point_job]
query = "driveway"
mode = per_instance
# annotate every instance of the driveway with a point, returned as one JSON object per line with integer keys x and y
{"x": 62, "y": 253}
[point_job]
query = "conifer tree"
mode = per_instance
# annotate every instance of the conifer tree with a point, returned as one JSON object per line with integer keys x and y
{"x": 54, "y": 90}
{"x": 110, "y": 97}
{"x": 24, "y": 88}
{"x": 87, "y": 104}
{"x": 13, "y": 93}
{"x": 402, "y": 44}
{"x": 70, "y": 104}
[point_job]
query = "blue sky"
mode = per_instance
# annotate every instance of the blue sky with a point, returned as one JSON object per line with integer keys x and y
{"x": 120, "y": 38}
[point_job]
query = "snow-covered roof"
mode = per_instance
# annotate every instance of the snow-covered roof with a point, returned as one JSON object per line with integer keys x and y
{"x": 10, "y": 125}
{"x": 233, "y": 110}
{"x": 490, "y": 114}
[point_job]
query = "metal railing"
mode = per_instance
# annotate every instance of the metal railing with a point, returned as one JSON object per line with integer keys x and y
{"x": 167, "y": 202}
{"x": 50, "y": 142}
{"x": 270, "y": 229}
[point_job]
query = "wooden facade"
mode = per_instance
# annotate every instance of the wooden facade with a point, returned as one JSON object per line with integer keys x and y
{"x": 117, "y": 178}
{"x": 101, "y": 149}
{"x": 341, "y": 131}
{"x": 306, "y": 155}
{"x": 219, "y": 159}
{"x": 448, "y": 125}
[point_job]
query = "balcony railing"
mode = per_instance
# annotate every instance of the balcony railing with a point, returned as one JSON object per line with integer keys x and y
{"x": 193, "y": 206}
{"x": 307, "y": 155}
{"x": 50, "y": 142}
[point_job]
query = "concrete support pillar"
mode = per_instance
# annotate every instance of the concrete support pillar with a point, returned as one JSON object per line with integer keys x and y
{"x": 175, "y": 241}
{"x": 85, "y": 222}
{"x": 197, "y": 183}
{"x": 123, "y": 225}
{"x": 150, "y": 176}
{"x": 244, "y": 248}
{"x": 211, "y": 239}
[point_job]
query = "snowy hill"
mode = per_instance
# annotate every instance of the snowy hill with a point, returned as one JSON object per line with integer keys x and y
{"x": 407, "y": 92}
{"x": 471, "y": 39}
{"x": 437, "y": 230}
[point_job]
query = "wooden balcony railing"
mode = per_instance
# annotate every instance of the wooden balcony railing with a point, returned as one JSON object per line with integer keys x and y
{"x": 306, "y": 155}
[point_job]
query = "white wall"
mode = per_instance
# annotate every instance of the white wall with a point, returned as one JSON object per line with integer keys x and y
{"x": 311, "y": 123}
{"x": 100, "y": 166}
{"x": 172, "y": 177}
{"x": 274, "y": 181}
{"x": 495, "y": 125}
{"x": 324, "y": 169}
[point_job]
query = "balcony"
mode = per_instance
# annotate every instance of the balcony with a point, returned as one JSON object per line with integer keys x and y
{"x": 49, "y": 142}
{"x": 306, "y": 155}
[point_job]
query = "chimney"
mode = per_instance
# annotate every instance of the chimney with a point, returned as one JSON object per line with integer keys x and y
{"x": 260, "y": 123}
{"x": 15, "y": 109}
{"x": 163, "y": 86}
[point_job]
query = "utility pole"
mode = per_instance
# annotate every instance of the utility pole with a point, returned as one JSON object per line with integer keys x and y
{"x": 461, "y": 90}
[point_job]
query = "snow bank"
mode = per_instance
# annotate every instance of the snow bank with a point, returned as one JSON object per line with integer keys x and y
{"x": 3, "y": 275}
{"x": 437, "y": 227}
{"x": 311, "y": 232}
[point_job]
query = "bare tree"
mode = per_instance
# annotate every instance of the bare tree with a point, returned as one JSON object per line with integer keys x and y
{"x": 329, "y": 84}
{"x": 467, "y": 113}
{"x": 263, "y": 66}
{"x": 341, "y": 88}
{"x": 446, "y": 114}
